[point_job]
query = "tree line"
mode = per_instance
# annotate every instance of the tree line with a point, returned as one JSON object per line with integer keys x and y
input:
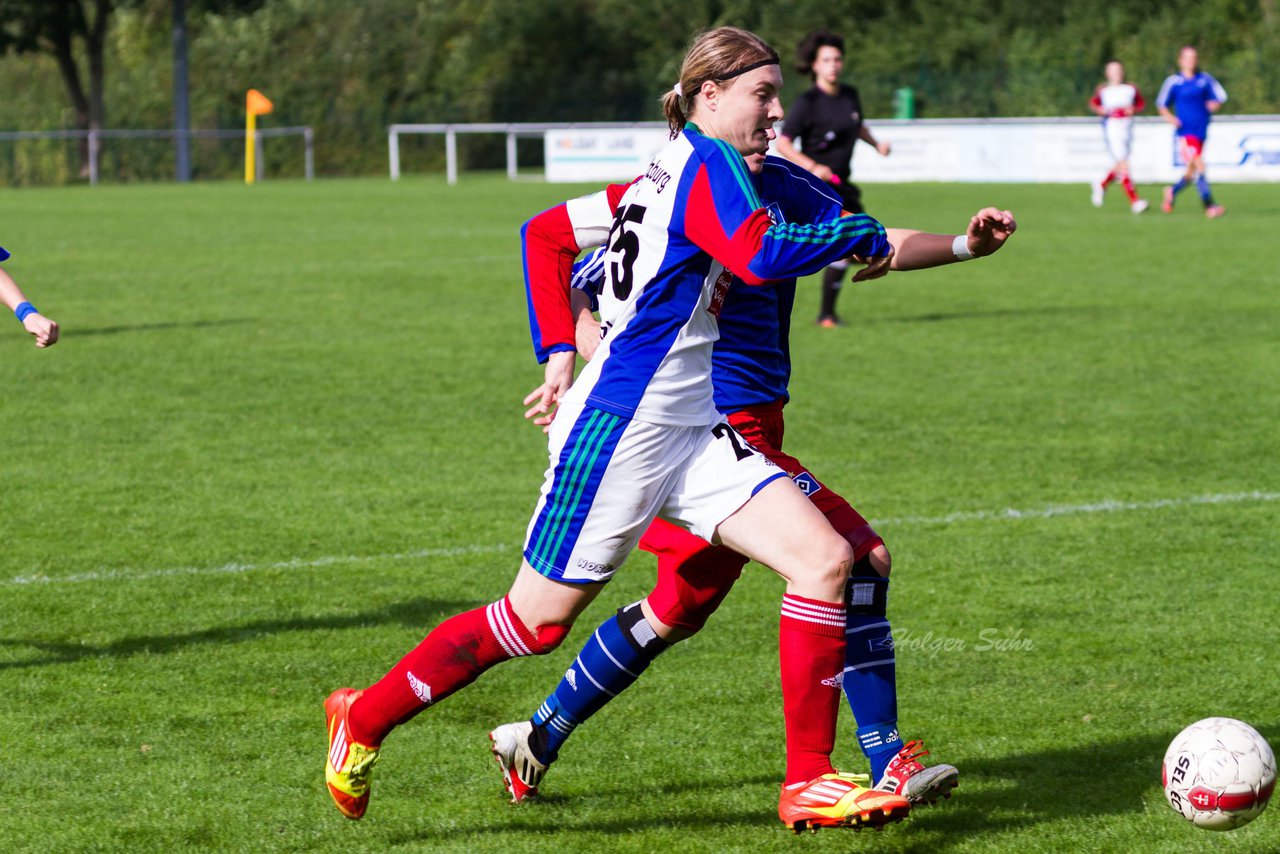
{"x": 350, "y": 69}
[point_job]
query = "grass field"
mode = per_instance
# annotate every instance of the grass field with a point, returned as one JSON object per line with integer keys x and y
{"x": 281, "y": 439}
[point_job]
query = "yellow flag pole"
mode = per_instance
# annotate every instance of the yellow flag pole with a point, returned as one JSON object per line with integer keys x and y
{"x": 250, "y": 131}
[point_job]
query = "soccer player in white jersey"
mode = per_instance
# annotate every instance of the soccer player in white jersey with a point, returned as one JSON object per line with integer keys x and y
{"x": 638, "y": 435}
{"x": 43, "y": 328}
{"x": 1117, "y": 101}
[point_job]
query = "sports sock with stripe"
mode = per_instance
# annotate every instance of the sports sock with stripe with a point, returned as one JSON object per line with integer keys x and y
{"x": 1206, "y": 195}
{"x": 1127, "y": 183}
{"x": 448, "y": 659}
{"x": 810, "y": 652}
{"x": 869, "y": 678}
{"x": 615, "y": 655}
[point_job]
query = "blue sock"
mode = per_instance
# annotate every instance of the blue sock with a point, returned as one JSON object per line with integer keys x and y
{"x": 1206, "y": 195}
{"x": 869, "y": 679}
{"x": 614, "y": 657}
{"x": 1182, "y": 184}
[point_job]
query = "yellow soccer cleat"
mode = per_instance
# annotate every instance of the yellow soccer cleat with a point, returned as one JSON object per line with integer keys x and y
{"x": 349, "y": 765}
{"x": 839, "y": 800}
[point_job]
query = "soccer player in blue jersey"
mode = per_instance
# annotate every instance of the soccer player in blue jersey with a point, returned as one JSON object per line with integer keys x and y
{"x": 43, "y": 328}
{"x": 637, "y": 435}
{"x": 1188, "y": 100}
{"x": 751, "y": 369}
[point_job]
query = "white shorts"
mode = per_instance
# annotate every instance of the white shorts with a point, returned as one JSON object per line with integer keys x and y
{"x": 1119, "y": 136}
{"x": 610, "y": 476}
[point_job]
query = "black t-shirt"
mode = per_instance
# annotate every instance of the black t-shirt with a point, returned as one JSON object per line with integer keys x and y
{"x": 827, "y": 126}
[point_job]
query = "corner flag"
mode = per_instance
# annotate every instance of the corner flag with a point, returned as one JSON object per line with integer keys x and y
{"x": 255, "y": 104}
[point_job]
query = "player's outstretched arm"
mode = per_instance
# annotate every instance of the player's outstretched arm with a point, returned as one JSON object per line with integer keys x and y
{"x": 43, "y": 328}
{"x": 988, "y": 230}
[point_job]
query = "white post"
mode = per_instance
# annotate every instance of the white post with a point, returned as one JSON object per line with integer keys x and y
{"x": 93, "y": 158}
{"x": 393, "y": 153}
{"x": 451, "y": 155}
{"x": 511, "y": 156}
{"x": 309, "y": 153}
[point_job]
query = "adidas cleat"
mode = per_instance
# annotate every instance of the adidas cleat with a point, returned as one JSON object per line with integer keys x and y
{"x": 349, "y": 766}
{"x": 839, "y": 800}
{"x": 918, "y": 783}
{"x": 521, "y": 770}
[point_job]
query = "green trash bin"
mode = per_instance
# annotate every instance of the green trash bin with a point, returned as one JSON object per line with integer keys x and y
{"x": 904, "y": 103}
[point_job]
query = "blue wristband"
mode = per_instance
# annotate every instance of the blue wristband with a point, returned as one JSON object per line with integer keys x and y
{"x": 23, "y": 309}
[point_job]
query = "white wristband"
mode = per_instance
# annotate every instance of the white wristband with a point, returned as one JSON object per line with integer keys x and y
{"x": 960, "y": 248}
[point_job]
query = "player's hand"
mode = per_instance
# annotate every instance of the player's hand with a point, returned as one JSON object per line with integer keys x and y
{"x": 884, "y": 148}
{"x": 44, "y": 329}
{"x": 587, "y": 335}
{"x": 988, "y": 230}
{"x": 822, "y": 173}
{"x": 546, "y": 397}
{"x": 876, "y": 266}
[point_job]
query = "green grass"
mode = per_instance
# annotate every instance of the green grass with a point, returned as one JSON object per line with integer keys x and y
{"x": 281, "y": 439}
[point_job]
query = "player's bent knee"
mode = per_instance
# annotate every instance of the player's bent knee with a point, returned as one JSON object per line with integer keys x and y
{"x": 549, "y": 636}
{"x": 879, "y": 560}
{"x": 639, "y": 631}
{"x": 832, "y": 561}
{"x": 867, "y": 592}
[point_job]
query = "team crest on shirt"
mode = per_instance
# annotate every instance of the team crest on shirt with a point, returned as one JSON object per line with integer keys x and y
{"x": 718, "y": 293}
{"x": 808, "y": 483}
{"x": 775, "y": 213}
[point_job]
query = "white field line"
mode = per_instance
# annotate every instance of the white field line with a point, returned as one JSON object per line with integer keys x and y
{"x": 1008, "y": 514}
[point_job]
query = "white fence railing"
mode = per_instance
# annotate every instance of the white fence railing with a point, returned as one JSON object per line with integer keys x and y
{"x": 1240, "y": 148}
{"x": 512, "y": 131}
{"x": 95, "y": 137}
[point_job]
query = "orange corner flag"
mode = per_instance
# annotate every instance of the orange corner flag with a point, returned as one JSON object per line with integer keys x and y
{"x": 256, "y": 103}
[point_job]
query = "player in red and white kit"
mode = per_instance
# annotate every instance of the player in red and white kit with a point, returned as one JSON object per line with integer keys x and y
{"x": 1117, "y": 101}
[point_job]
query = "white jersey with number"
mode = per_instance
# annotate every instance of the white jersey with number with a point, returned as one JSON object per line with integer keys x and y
{"x": 680, "y": 234}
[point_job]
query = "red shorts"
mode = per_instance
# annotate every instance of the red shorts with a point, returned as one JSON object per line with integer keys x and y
{"x": 1190, "y": 147}
{"x": 695, "y": 576}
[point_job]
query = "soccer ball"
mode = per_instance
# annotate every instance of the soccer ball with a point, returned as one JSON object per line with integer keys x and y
{"x": 1219, "y": 773}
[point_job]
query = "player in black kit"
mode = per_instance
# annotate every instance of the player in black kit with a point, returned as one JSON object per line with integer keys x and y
{"x": 827, "y": 121}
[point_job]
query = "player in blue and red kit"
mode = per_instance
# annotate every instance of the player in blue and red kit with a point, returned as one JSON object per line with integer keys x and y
{"x": 638, "y": 435}
{"x": 751, "y": 370}
{"x": 1188, "y": 100}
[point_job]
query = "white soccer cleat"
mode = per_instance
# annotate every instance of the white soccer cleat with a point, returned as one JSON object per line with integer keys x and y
{"x": 1099, "y": 193}
{"x": 521, "y": 770}
{"x": 1139, "y": 206}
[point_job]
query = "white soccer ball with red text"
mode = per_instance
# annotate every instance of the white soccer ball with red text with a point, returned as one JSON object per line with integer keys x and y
{"x": 1219, "y": 773}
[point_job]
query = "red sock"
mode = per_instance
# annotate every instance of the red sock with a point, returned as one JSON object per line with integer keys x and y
{"x": 450, "y": 658}
{"x": 811, "y": 651}
{"x": 1111, "y": 176}
{"x": 1128, "y": 188}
